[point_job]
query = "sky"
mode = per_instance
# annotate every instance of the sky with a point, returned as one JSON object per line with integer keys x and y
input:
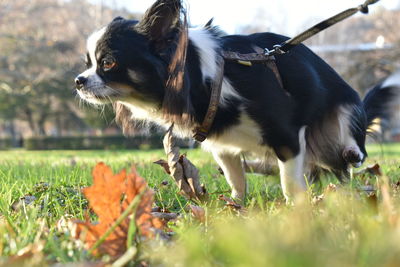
{"x": 282, "y": 16}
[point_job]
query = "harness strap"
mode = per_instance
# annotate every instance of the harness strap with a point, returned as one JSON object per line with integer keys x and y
{"x": 200, "y": 133}
{"x": 257, "y": 57}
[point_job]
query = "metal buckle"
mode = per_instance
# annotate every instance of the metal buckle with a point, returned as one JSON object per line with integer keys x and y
{"x": 267, "y": 52}
{"x": 200, "y": 134}
{"x": 275, "y": 51}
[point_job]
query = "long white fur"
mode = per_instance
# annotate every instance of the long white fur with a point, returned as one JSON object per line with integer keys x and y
{"x": 207, "y": 48}
{"x": 292, "y": 171}
{"x": 332, "y": 137}
{"x": 233, "y": 170}
{"x": 346, "y": 139}
{"x": 244, "y": 137}
{"x": 228, "y": 146}
{"x": 91, "y": 45}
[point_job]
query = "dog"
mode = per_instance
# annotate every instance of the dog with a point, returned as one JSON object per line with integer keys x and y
{"x": 314, "y": 121}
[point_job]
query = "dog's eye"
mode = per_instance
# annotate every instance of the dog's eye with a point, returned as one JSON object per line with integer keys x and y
{"x": 108, "y": 64}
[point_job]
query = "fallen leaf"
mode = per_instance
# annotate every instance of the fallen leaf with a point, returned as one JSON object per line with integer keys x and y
{"x": 198, "y": 213}
{"x": 373, "y": 169}
{"x": 184, "y": 172}
{"x": 164, "y": 164}
{"x": 109, "y": 196}
{"x": 230, "y": 202}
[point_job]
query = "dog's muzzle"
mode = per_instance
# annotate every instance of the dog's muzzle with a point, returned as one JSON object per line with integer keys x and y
{"x": 353, "y": 156}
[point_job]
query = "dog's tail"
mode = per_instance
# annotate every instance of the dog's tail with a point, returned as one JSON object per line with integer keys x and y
{"x": 383, "y": 100}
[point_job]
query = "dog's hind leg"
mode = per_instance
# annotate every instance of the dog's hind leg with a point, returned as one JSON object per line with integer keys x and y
{"x": 232, "y": 167}
{"x": 292, "y": 171}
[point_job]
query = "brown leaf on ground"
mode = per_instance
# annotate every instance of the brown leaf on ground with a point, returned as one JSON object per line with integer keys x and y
{"x": 184, "y": 173}
{"x": 198, "y": 213}
{"x": 109, "y": 196}
{"x": 230, "y": 202}
{"x": 373, "y": 169}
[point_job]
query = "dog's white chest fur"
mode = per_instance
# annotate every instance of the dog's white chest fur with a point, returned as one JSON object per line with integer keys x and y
{"x": 244, "y": 137}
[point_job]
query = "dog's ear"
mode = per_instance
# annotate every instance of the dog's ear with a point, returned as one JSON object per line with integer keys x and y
{"x": 160, "y": 19}
{"x": 209, "y": 24}
{"x": 118, "y": 18}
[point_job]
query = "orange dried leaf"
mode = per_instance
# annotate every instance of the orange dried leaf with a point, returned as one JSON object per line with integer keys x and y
{"x": 109, "y": 196}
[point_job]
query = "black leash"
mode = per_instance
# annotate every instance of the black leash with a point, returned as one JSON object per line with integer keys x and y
{"x": 289, "y": 44}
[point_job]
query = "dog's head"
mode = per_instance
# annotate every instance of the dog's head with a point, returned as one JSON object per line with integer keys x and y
{"x": 130, "y": 60}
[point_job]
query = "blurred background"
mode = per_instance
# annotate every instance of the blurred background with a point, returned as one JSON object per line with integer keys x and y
{"x": 42, "y": 43}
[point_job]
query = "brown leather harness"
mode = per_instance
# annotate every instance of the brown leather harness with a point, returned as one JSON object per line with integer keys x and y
{"x": 200, "y": 133}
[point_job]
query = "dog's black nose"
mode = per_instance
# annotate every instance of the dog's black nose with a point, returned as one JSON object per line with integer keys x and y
{"x": 80, "y": 81}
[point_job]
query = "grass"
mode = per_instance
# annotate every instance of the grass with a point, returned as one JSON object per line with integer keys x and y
{"x": 346, "y": 228}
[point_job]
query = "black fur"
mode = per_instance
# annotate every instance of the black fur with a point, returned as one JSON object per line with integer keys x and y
{"x": 312, "y": 96}
{"x": 376, "y": 102}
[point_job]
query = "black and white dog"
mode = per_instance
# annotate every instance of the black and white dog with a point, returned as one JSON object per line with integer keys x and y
{"x": 317, "y": 120}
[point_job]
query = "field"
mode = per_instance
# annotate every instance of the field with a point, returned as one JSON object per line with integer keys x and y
{"x": 355, "y": 224}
